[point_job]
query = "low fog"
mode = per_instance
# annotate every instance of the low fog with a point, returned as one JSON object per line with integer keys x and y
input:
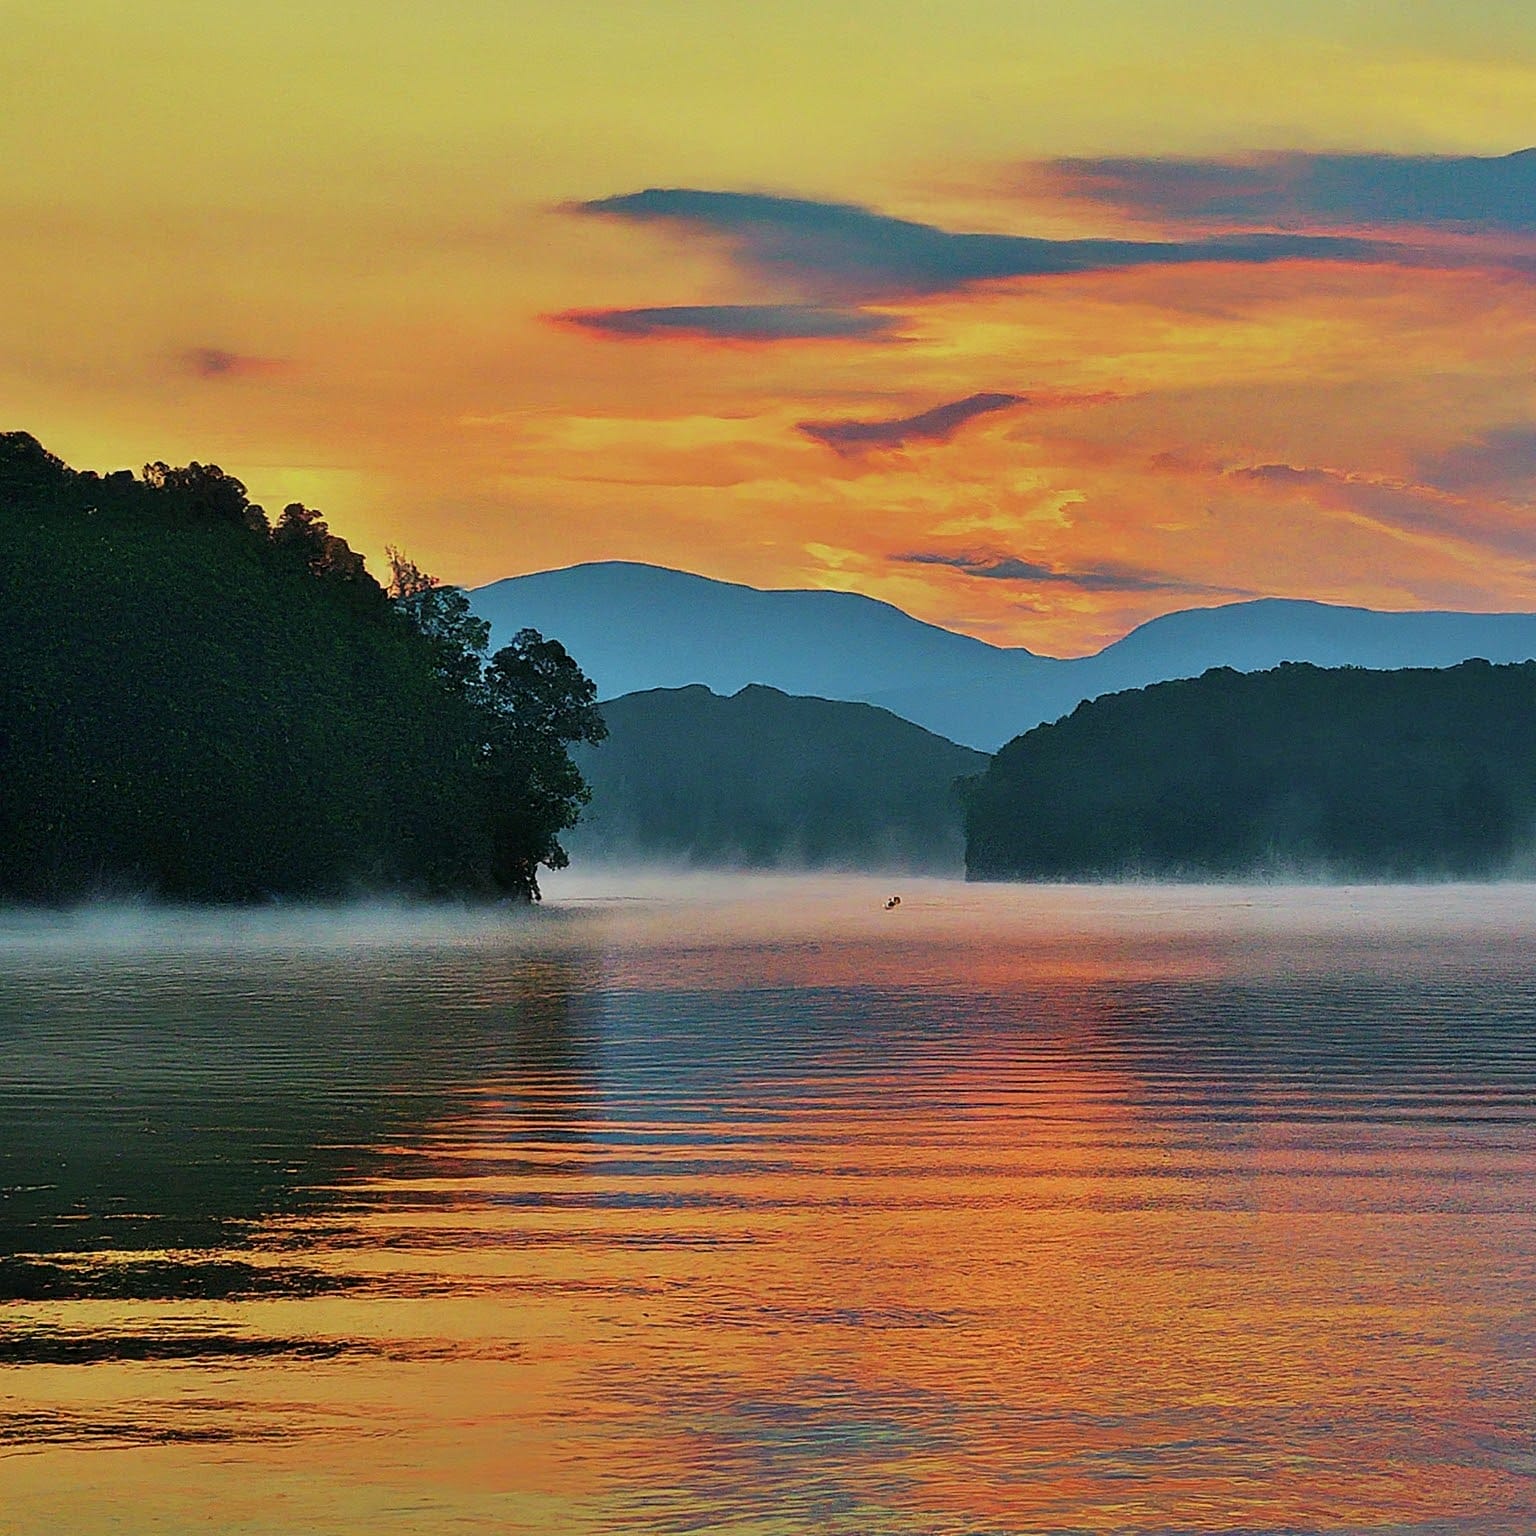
{"x": 656, "y": 906}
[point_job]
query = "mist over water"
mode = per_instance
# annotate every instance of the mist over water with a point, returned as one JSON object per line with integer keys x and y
{"x": 742, "y": 1203}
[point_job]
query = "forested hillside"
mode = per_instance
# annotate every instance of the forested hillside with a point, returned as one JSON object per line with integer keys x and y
{"x": 763, "y": 779}
{"x": 197, "y": 704}
{"x": 1345, "y": 772}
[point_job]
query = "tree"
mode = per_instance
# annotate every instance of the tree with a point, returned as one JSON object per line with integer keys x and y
{"x": 443, "y": 615}
{"x": 531, "y": 702}
{"x": 28, "y": 472}
{"x": 205, "y": 491}
{"x": 537, "y": 704}
{"x": 303, "y": 532}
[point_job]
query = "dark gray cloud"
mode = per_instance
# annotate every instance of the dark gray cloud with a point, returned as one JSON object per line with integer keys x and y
{"x": 854, "y": 253}
{"x": 1490, "y": 193}
{"x": 936, "y": 425}
{"x": 1503, "y": 460}
{"x": 735, "y": 322}
{"x": 1101, "y": 576}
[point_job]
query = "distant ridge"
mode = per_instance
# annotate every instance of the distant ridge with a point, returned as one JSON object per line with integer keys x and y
{"x": 1301, "y": 771}
{"x": 765, "y": 780}
{"x": 635, "y": 627}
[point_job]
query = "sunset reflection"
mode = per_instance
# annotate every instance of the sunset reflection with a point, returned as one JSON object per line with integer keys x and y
{"x": 1128, "y": 1219}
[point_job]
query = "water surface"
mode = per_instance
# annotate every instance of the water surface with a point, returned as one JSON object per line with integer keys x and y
{"x": 752, "y": 1207}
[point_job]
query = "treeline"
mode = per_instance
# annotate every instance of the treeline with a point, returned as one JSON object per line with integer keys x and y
{"x": 1343, "y": 772}
{"x": 201, "y": 704}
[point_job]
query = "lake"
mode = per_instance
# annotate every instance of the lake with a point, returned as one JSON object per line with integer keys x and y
{"x": 748, "y": 1206}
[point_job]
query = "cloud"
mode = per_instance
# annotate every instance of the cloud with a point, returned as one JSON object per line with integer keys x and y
{"x": 216, "y": 363}
{"x": 1405, "y": 506}
{"x": 937, "y": 425}
{"x": 854, "y": 254}
{"x": 1479, "y": 193}
{"x": 1100, "y": 576}
{"x": 734, "y": 322}
{"x": 1502, "y": 460}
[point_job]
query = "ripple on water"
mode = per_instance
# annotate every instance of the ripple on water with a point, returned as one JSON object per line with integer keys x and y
{"x": 756, "y": 1208}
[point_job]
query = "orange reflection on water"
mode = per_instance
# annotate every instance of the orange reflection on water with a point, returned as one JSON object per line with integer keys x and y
{"x": 1151, "y": 1220}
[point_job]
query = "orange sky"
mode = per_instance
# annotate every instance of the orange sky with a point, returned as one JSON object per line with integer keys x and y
{"x": 340, "y": 249}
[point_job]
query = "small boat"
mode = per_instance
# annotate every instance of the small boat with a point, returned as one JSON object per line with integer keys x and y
{"x": 893, "y": 903}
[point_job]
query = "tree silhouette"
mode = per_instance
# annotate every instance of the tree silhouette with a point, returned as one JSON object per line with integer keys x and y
{"x": 302, "y": 533}
{"x": 443, "y": 616}
{"x": 538, "y": 704}
{"x": 531, "y": 703}
{"x": 204, "y": 490}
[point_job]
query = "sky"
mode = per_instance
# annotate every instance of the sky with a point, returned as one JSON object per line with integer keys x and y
{"x": 1037, "y": 320}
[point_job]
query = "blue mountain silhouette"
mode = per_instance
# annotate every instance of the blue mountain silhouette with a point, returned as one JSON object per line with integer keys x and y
{"x": 634, "y": 627}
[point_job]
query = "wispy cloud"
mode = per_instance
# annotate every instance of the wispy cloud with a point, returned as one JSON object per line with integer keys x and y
{"x": 734, "y": 322}
{"x": 1411, "y": 507}
{"x": 1487, "y": 193}
{"x": 1096, "y": 576}
{"x": 217, "y": 363}
{"x": 938, "y": 425}
{"x": 854, "y": 254}
{"x": 1502, "y": 461}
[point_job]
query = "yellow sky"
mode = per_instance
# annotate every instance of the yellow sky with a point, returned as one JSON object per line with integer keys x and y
{"x": 322, "y": 244}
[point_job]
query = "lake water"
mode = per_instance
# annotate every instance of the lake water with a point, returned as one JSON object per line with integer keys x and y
{"x": 750, "y": 1207}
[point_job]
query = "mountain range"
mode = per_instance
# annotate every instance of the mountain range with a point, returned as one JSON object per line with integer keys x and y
{"x": 637, "y": 627}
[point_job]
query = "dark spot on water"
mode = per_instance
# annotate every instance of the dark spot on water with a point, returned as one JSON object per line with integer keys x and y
{"x": 44, "y": 1347}
{"x": 29, "y": 1279}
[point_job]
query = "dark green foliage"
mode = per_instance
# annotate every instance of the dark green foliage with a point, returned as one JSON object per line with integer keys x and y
{"x": 443, "y": 616}
{"x": 1343, "y": 772}
{"x": 764, "y": 779}
{"x": 195, "y": 706}
{"x": 537, "y": 702}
